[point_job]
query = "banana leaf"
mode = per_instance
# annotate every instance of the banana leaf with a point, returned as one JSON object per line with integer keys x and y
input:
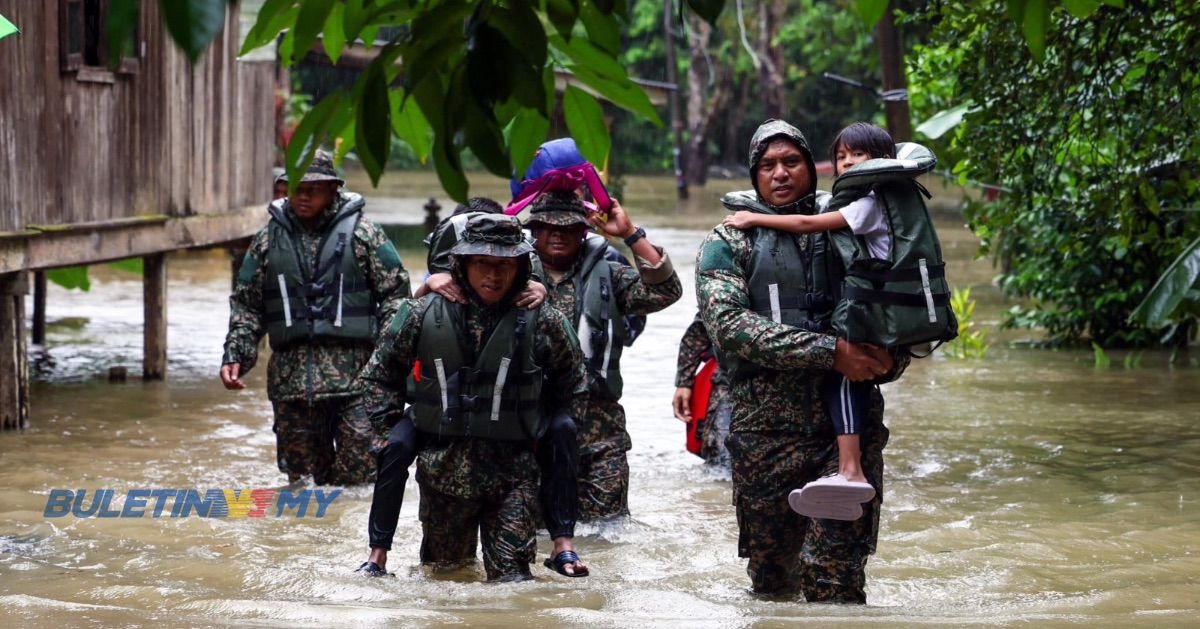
{"x": 1173, "y": 288}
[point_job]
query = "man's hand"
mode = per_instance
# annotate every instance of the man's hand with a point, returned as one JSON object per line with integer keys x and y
{"x": 532, "y": 297}
{"x": 618, "y": 223}
{"x": 860, "y": 362}
{"x": 682, "y": 404}
{"x": 444, "y": 285}
{"x": 230, "y": 373}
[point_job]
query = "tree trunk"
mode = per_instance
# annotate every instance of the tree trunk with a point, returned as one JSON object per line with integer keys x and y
{"x": 770, "y": 69}
{"x": 676, "y": 121}
{"x": 899, "y": 121}
{"x": 734, "y": 142}
{"x": 705, "y": 100}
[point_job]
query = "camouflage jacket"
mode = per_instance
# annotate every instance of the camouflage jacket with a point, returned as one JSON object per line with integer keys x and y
{"x": 786, "y": 394}
{"x": 694, "y": 348}
{"x": 311, "y": 371}
{"x": 639, "y": 291}
{"x": 467, "y": 467}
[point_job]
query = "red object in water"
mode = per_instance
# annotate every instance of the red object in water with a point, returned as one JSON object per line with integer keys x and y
{"x": 701, "y": 389}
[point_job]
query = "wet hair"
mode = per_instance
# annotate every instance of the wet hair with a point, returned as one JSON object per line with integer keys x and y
{"x": 863, "y": 136}
{"x": 478, "y": 204}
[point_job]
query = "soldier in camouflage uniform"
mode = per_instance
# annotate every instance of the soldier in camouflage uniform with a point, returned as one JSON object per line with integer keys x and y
{"x": 489, "y": 374}
{"x": 760, "y": 292}
{"x": 318, "y": 280}
{"x": 695, "y": 348}
{"x": 594, "y": 294}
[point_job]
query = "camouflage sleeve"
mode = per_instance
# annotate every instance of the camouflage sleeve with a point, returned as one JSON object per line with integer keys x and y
{"x": 380, "y": 264}
{"x": 247, "y": 313}
{"x": 385, "y": 375}
{"x": 723, "y": 295}
{"x": 646, "y": 289}
{"x": 693, "y": 345}
{"x": 562, "y": 363}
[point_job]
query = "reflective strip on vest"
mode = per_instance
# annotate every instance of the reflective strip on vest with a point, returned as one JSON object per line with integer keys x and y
{"x": 928, "y": 291}
{"x": 441, "y": 373}
{"x": 337, "y": 321}
{"x": 776, "y": 315}
{"x": 287, "y": 304}
{"x": 498, "y": 390}
{"x": 608, "y": 350}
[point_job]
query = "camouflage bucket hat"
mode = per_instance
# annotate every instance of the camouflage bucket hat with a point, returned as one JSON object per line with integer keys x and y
{"x": 321, "y": 169}
{"x": 558, "y": 207}
{"x": 492, "y": 235}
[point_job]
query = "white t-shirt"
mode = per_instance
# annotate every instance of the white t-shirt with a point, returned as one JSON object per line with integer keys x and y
{"x": 865, "y": 218}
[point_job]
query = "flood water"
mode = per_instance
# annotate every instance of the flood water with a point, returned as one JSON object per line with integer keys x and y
{"x": 1029, "y": 488}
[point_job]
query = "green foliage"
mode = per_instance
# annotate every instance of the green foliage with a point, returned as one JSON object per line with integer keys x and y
{"x": 1174, "y": 297}
{"x": 1096, "y": 146}
{"x": 970, "y": 344}
{"x": 479, "y": 67}
{"x": 1101, "y": 358}
{"x": 71, "y": 277}
{"x": 136, "y": 266}
{"x": 192, "y": 24}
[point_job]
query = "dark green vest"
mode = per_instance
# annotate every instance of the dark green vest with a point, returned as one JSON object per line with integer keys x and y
{"x": 786, "y": 278}
{"x": 497, "y": 396}
{"x": 332, "y": 302}
{"x": 600, "y": 322}
{"x": 902, "y": 301}
{"x": 443, "y": 238}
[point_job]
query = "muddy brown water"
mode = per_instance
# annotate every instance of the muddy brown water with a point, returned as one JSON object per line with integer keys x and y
{"x": 1028, "y": 488}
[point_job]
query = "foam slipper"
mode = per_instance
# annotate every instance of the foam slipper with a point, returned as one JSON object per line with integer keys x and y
{"x": 560, "y": 561}
{"x": 831, "y": 497}
{"x": 371, "y": 569}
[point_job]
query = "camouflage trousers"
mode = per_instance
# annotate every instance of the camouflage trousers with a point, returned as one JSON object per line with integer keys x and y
{"x": 603, "y": 466}
{"x": 331, "y": 440}
{"x": 504, "y": 523}
{"x": 716, "y": 427}
{"x": 790, "y": 554}
{"x": 603, "y": 482}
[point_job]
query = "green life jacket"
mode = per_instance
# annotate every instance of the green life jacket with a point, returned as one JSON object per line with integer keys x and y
{"x": 498, "y": 396}
{"x": 902, "y": 301}
{"x": 786, "y": 278}
{"x": 332, "y": 302}
{"x": 443, "y": 238}
{"x": 601, "y": 326}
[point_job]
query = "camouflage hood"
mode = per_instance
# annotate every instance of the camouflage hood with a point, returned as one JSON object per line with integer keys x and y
{"x": 492, "y": 235}
{"x": 768, "y": 132}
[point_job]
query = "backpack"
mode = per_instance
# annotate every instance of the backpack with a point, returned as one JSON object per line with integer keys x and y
{"x": 558, "y": 165}
{"x": 905, "y": 300}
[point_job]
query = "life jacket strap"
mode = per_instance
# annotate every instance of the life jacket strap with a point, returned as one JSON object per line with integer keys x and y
{"x": 911, "y": 274}
{"x": 812, "y": 302}
{"x": 313, "y": 313}
{"x": 891, "y": 298}
{"x": 316, "y": 289}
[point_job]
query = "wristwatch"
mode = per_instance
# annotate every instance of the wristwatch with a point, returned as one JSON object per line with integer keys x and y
{"x": 637, "y": 235}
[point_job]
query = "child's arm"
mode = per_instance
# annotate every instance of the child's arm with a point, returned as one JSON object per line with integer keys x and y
{"x": 796, "y": 223}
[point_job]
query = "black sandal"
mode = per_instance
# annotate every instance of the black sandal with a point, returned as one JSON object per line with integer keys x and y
{"x": 372, "y": 569}
{"x": 559, "y": 564}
